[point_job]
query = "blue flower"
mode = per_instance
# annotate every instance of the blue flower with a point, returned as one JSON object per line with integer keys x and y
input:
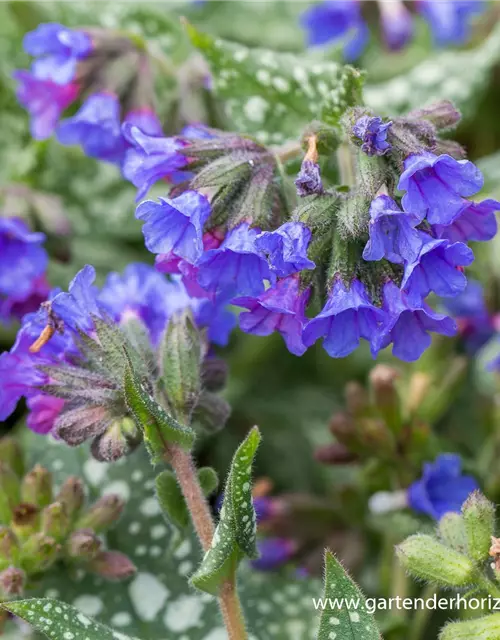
{"x": 435, "y": 269}
{"x": 96, "y": 127}
{"x": 214, "y": 316}
{"x": 392, "y": 233}
{"x": 397, "y": 24}
{"x": 286, "y": 248}
{"x": 334, "y": 20}
{"x": 236, "y": 268}
{"x": 77, "y": 307}
{"x": 407, "y": 326}
{"x": 372, "y": 132}
{"x": 59, "y": 49}
{"x": 308, "y": 181}
{"x": 437, "y": 185}
{"x": 450, "y": 19}
{"x": 23, "y": 260}
{"x": 18, "y": 377}
{"x": 274, "y": 552}
{"x": 280, "y": 308}
{"x": 150, "y": 158}
{"x": 45, "y": 101}
{"x": 175, "y": 226}
{"x": 477, "y": 222}
{"x": 475, "y": 324}
{"x": 442, "y": 488}
{"x": 348, "y": 316}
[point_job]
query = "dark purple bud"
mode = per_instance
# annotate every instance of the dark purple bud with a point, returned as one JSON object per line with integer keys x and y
{"x": 112, "y": 565}
{"x": 442, "y": 114}
{"x": 214, "y": 373}
{"x": 83, "y": 545}
{"x": 101, "y": 515}
{"x": 308, "y": 182}
{"x": 116, "y": 442}
{"x": 12, "y": 582}
{"x": 36, "y": 487}
{"x": 372, "y": 132}
{"x": 335, "y": 453}
{"x": 212, "y": 412}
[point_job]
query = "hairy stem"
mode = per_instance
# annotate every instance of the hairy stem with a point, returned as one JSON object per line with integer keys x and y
{"x": 421, "y": 616}
{"x": 347, "y": 164}
{"x": 185, "y": 470}
{"x": 288, "y": 151}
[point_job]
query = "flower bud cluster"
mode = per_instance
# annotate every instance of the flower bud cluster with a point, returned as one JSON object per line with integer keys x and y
{"x": 39, "y": 527}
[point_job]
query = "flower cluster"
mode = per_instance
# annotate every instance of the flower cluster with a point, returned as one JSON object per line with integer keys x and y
{"x": 23, "y": 262}
{"x": 106, "y": 70}
{"x": 342, "y": 20}
{"x": 69, "y": 357}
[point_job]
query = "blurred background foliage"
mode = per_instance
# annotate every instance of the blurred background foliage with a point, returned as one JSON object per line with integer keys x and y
{"x": 87, "y": 211}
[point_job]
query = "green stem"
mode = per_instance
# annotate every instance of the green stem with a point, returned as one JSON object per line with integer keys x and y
{"x": 347, "y": 164}
{"x": 288, "y": 151}
{"x": 487, "y": 585}
{"x": 421, "y": 617}
{"x": 185, "y": 470}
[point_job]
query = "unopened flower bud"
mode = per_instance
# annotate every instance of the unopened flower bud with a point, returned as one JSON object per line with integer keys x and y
{"x": 9, "y": 547}
{"x": 375, "y": 436}
{"x": 479, "y": 522}
{"x": 9, "y": 492}
{"x": 212, "y": 412}
{"x": 356, "y": 398}
{"x": 420, "y": 383}
{"x": 484, "y": 628}
{"x": 72, "y": 496}
{"x": 308, "y": 181}
{"x": 12, "y": 581}
{"x": 38, "y": 553}
{"x": 451, "y": 530}
{"x": 116, "y": 442}
{"x": 83, "y": 545}
{"x": 385, "y": 395}
{"x": 12, "y": 455}
{"x": 55, "y": 521}
{"x": 214, "y": 373}
{"x": 112, "y": 565}
{"x": 442, "y": 114}
{"x": 36, "y": 487}
{"x": 335, "y": 453}
{"x": 101, "y": 515}
{"x": 25, "y": 520}
{"x": 428, "y": 559}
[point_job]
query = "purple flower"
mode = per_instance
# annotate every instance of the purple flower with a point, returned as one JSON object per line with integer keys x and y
{"x": 308, "y": 181}
{"x": 59, "y": 49}
{"x": 16, "y": 306}
{"x": 281, "y": 308}
{"x": 407, "y": 326}
{"x": 236, "y": 267}
{"x": 150, "y": 159}
{"x": 436, "y": 186}
{"x": 44, "y": 411}
{"x": 45, "y": 101}
{"x": 286, "y": 248}
{"x": 475, "y": 324}
{"x": 436, "y": 269}
{"x": 77, "y": 307}
{"x": 397, "y": 24}
{"x": 175, "y": 227}
{"x": 274, "y": 552}
{"x": 215, "y": 317}
{"x": 348, "y": 316}
{"x": 18, "y": 376}
{"x": 449, "y": 19}
{"x": 392, "y": 233}
{"x": 442, "y": 488}
{"x": 23, "y": 259}
{"x": 372, "y": 132}
{"x": 96, "y": 127}
{"x": 334, "y": 20}
{"x": 477, "y": 222}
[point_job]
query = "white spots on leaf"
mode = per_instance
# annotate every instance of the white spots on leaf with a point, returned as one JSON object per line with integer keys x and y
{"x": 217, "y": 634}
{"x": 158, "y": 531}
{"x": 67, "y": 635}
{"x": 121, "y": 619}
{"x": 281, "y": 84}
{"x": 256, "y": 108}
{"x": 95, "y": 471}
{"x": 332, "y": 635}
{"x": 155, "y": 551}
{"x": 150, "y": 507}
{"x": 88, "y": 604}
{"x": 57, "y": 465}
{"x": 183, "y": 550}
{"x": 333, "y": 620}
{"x": 185, "y": 568}
{"x": 183, "y": 613}
{"x": 264, "y": 77}
{"x": 240, "y": 55}
{"x": 86, "y": 622}
{"x": 137, "y": 475}
{"x": 134, "y": 528}
{"x": 120, "y": 488}
{"x": 148, "y": 596}
{"x": 354, "y": 616}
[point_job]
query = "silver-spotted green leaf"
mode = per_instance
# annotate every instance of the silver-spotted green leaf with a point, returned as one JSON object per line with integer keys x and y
{"x": 158, "y": 602}
{"x": 234, "y": 536}
{"x": 345, "y": 616}
{"x": 272, "y": 95}
{"x": 60, "y": 621}
{"x": 158, "y": 426}
{"x": 440, "y": 77}
{"x": 171, "y": 500}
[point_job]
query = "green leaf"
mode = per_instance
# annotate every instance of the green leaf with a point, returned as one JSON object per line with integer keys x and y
{"x": 151, "y": 604}
{"x": 338, "y": 619}
{"x": 234, "y": 537}
{"x": 158, "y": 426}
{"x": 209, "y": 480}
{"x": 440, "y": 77}
{"x": 270, "y": 95}
{"x": 60, "y": 621}
{"x": 171, "y": 500}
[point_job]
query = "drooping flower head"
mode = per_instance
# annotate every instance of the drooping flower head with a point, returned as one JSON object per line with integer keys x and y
{"x": 372, "y": 132}
{"x": 334, "y": 20}
{"x": 442, "y": 488}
